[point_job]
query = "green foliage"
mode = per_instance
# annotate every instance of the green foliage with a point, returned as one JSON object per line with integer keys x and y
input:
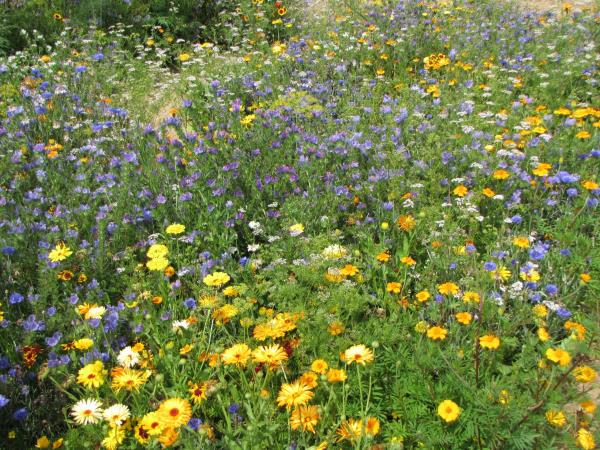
{"x": 188, "y": 19}
{"x": 343, "y": 196}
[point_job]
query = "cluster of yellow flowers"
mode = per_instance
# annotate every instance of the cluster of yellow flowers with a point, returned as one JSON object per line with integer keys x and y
{"x": 296, "y": 395}
{"x": 157, "y": 254}
{"x": 435, "y": 61}
{"x": 216, "y": 279}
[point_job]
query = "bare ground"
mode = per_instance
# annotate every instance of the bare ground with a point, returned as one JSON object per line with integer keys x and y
{"x": 316, "y": 9}
{"x": 557, "y": 5}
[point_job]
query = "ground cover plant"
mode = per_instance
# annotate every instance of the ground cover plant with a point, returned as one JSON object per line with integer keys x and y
{"x": 185, "y": 19}
{"x": 370, "y": 226}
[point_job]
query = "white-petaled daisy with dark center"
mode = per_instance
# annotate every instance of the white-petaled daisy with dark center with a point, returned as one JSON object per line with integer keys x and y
{"x": 87, "y": 411}
{"x": 116, "y": 415}
{"x": 358, "y": 354}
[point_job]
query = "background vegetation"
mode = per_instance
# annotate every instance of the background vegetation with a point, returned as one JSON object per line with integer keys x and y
{"x": 388, "y": 206}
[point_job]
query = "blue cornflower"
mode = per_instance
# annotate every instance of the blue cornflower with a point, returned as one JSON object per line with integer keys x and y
{"x": 194, "y": 423}
{"x": 537, "y": 252}
{"x": 490, "y": 266}
{"x": 3, "y": 401}
{"x": 551, "y": 289}
{"x": 54, "y": 339}
{"x": 190, "y": 303}
{"x": 31, "y": 324}
{"x": 15, "y": 297}
{"x": 516, "y": 219}
{"x": 20, "y": 414}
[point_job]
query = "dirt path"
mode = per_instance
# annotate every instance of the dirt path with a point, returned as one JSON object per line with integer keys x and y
{"x": 315, "y": 9}
{"x": 558, "y": 6}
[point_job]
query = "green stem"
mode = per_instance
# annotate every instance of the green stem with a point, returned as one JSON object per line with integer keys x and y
{"x": 362, "y": 406}
{"x": 62, "y": 389}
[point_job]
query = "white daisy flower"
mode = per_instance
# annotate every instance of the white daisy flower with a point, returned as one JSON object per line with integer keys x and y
{"x": 87, "y": 411}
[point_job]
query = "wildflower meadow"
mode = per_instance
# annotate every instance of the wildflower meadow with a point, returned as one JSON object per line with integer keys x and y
{"x": 299, "y": 224}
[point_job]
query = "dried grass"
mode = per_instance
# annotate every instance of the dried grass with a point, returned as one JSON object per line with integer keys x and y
{"x": 557, "y": 5}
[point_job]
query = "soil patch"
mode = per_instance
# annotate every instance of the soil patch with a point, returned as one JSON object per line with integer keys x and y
{"x": 559, "y": 6}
